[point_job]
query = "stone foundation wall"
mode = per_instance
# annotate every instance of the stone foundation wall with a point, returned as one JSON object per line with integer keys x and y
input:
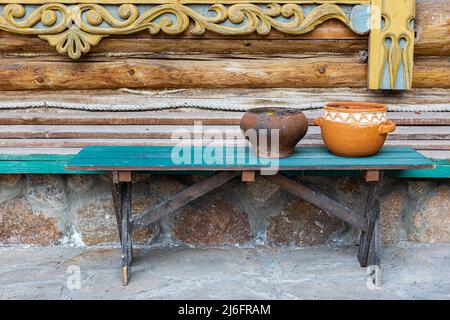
{"x": 55, "y": 209}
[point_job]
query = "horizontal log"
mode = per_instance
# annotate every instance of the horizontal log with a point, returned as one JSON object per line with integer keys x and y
{"x": 207, "y": 71}
{"x": 26, "y": 47}
{"x": 433, "y": 39}
{"x": 193, "y": 72}
{"x": 429, "y": 73}
{"x": 432, "y": 28}
{"x": 167, "y": 132}
{"x": 185, "y": 118}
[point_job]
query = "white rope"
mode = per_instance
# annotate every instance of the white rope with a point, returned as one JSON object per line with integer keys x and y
{"x": 198, "y": 103}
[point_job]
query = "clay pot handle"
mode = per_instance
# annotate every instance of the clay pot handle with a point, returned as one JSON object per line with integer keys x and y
{"x": 387, "y": 127}
{"x": 318, "y": 122}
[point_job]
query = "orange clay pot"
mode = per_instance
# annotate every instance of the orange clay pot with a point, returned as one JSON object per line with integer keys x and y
{"x": 354, "y": 129}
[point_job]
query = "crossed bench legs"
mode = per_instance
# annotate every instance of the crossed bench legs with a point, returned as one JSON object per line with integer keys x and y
{"x": 369, "y": 223}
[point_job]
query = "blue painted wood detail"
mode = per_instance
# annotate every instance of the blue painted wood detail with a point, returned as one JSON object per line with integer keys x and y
{"x": 360, "y": 18}
{"x": 359, "y": 13}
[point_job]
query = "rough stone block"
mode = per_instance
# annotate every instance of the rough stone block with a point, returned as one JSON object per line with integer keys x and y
{"x": 10, "y": 186}
{"x": 164, "y": 186}
{"x": 301, "y": 224}
{"x": 214, "y": 224}
{"x": 420, "y": 188}
{"x": 261, "y": 189}
{"x": 431, "y": 219}
{"x": 19, "y": 225}
{"x": 46, "y": 195}
{"x": 391, "y": 210}
{"x": 96, "y": 222}
{"x": 80, "y": 183}
{"x": 352, "y": 192}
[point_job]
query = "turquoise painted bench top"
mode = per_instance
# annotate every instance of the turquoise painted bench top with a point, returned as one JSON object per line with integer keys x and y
{"x": 56, "y": 164}
{"x": 168, "y": 158}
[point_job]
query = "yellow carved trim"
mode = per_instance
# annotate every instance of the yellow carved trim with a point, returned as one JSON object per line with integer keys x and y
{"x": 72, "y": 42}
{"x": 83, "y": 24}
{"x": 391, "y": 44}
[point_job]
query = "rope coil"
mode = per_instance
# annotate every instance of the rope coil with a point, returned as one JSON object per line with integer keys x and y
{"x": 196, "y": 103}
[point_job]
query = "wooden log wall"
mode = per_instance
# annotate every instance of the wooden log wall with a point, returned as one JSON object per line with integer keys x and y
{"x": 330, "y": 56}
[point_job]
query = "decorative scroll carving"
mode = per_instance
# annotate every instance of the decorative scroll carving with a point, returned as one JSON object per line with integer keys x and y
{"x": 72, "y": 42}
{"x": 72, "y": 29}
{"x": 73, "y": 26}
{"x": 392, "y": 44}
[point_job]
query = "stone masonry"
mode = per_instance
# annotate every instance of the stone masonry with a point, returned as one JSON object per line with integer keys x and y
{"x": 54, "y": 209}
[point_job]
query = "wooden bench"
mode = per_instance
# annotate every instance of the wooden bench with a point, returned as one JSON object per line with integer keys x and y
{"x": 228, "y": 162}
{"x": 36, "y": 142}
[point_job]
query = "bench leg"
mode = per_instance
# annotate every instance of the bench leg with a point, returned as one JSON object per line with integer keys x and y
{"x": 122, "y": 195}
{"x": 126, "y": 236}
{"x": 370, "y": 244}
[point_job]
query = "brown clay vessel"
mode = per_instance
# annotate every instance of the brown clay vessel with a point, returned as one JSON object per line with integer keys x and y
{"x": 354, "y": 129}
{"x": 291, "y": 124}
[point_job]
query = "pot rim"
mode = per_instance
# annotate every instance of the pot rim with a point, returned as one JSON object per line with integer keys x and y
{"x": 355, "y": 107}
{"x": 275, "y": 111}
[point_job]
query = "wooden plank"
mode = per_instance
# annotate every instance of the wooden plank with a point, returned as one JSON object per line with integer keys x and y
{"x": 24, "y": 153}
{"x": 185, "y": 118}
{"x": 6, "y": 152}
{"x": 207, "y": 71}
{"x": 122, "y": 176}
{"x": 167, "y": 132}
{"x": 230, "y": 97}
{"x": 121, "y": 118}
{"x": 137, "y": 152}
{"x": 38, "y": 164}
{"x": 43, "y": 160}
{"x": 434, "y": 154}
{"x": 420, "y": 144}
{"x": 71, "y": 146}
{"x": 248, "y": 176}
{"x": 371, "y": 176}
{"x": 141, "y": 46}
{"x": 240, "y": 159}
{"x": 442, "y": 171}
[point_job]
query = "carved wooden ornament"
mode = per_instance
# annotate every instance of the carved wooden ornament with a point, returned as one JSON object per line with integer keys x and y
{"x": 73, "y": 26}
